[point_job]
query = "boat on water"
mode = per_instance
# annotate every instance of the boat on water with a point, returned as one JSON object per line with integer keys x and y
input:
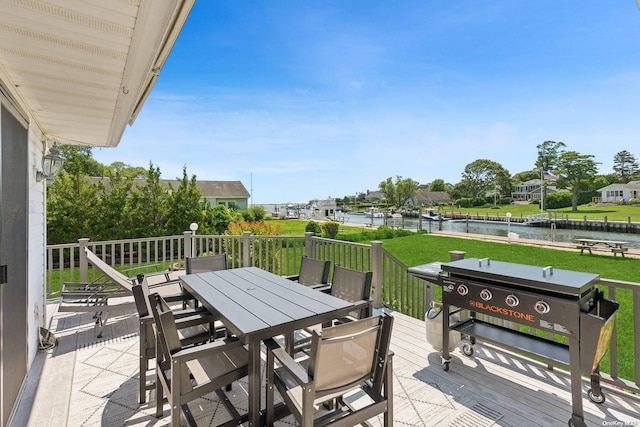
{"x": 432, "y": 216}
{"x": 374, "y": 213}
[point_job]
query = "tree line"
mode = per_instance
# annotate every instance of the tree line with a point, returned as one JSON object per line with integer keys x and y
{"x": 485, "y": 179}
{"x": 124, "y": 206}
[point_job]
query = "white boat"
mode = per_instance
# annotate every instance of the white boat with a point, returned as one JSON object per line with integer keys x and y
{"x": 395, "y": 215}
{"x": 431, "y": 216}
{"x": 374, "y": 212}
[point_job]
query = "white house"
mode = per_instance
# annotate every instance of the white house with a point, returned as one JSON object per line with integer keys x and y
{"x": 620, "y": 192}
{"x": 71, "y": 72}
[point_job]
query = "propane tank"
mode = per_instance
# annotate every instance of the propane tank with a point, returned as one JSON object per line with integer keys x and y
{"x": 433, "y": 327}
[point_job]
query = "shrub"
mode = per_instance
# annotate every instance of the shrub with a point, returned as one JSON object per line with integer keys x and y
{"x": 313, "y": 227}
{"x": 331, "y": 229}
{"x": 534, "y": 202}
{"x": 558, "y": 200}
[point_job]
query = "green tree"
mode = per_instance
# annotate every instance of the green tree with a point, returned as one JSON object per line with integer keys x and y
{"x": 548, "y": 160}
{"x": 438, "y": 185}
{"x": 79, "y": 160}
{"x": 71, "y": 202}
{"x": 483, "y": 176}
{"x": 577, "y": 173}
{"x": 113, "y": 220}
{"x": 400, "y": 192}
{"x": 149, "y": 206}
{"x": 625, "y": 166}
{"x": 185, "y": 206}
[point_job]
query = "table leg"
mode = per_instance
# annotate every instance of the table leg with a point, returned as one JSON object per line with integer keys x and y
{"x": 254, "y": 383}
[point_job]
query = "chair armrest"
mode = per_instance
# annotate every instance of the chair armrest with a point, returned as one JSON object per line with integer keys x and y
{"x": 294, "y": 277}
{"x": 326, "y": 288}
{"x": 195, "y": 320}
{"x": 208, "y": 349}
{"x": 287, "y": 362}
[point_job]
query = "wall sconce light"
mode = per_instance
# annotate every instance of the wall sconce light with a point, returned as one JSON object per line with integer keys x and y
{"x": 51, "y": 164}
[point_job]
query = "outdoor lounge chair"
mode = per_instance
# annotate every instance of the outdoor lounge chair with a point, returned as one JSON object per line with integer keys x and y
{"x": 313, "y": 273}
{"x": 99, "y": 298}
{"x": 345, "y": 361}
{"x": 184, "y": 374}
{"x": 195, "y": 326}
{"x": 349, "y": 285}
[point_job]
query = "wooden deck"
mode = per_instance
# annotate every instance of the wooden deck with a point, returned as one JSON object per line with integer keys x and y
{"x": 85, "y": 381}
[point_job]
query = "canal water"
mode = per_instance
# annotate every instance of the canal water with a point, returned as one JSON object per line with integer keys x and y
{"x": 493, "y": 229}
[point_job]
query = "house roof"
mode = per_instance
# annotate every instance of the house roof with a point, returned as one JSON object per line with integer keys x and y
{"x": 209, "y": 189}
{"x": 227, "y": 189}
{"x": 631, "y": 185}
{"x": 83, "y": 68}
{"x": 432, "y": 196}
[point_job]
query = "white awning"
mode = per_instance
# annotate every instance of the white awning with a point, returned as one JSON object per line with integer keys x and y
{"x": 83, "y": 68}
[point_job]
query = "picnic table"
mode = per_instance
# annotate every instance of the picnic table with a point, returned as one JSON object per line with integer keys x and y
{"x": 616, "y": 246}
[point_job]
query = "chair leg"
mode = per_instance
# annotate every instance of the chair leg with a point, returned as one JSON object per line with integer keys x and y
{"x": 388, "y": 393}
{"x": 270, "y": 365}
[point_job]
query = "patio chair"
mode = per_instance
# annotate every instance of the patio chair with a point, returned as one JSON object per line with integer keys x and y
{"x": 195, "y": 326}
{"x": 345, "y": 361}
{"x": 313, "y": 273}
{"x": 349, "y": 285}
{"x": 184, "y": 374}
{"x": 203, "y": 264}
{"x": 103, "y": 298}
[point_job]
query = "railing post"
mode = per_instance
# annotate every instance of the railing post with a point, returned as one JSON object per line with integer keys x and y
{"x": 376, "y": 267}
{"x": 188, "y": 243}
{"x": 84, "y": 265}
{"x": 308, "y": 241}
{"x": 246, "y": 248}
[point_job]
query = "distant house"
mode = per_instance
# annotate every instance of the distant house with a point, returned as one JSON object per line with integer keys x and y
{"x": 430, "y": 198}
{"x": 620, "y": 192}
{"x": 374, "y": 196}
{"x": 232, "y": 194}
{"x": 530, "y": 190}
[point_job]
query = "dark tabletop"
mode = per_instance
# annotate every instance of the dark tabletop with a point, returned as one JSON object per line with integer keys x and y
{"x": 255, "y": 303}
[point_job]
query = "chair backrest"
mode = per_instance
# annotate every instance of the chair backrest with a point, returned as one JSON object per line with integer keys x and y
{"x": 141, "y": 296}
{"x": 353, "y": 286}
{"x": 314, "y": 271}
{"x": 168, "y": 337}
{"x": 344, "y": 356}
{"x": 203, "y": 264}
{"x": 113, "y": 274}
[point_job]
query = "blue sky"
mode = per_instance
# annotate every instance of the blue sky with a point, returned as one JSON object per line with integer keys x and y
{"x": 313, "y": 99}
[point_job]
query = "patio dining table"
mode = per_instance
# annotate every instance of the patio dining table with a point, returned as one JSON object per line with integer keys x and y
{"x": 255, "y": 305}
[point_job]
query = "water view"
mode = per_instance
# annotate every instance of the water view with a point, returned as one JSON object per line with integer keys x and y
{"x": 493, "y": 229}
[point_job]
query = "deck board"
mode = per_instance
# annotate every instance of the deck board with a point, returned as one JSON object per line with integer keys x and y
{"x": 90, "y": 381}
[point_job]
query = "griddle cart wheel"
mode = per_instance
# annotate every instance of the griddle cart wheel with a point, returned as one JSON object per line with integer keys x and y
{"x": 445, "y": 366}
{"x": 467, "y": 349}
{"x": 596, "y": 396}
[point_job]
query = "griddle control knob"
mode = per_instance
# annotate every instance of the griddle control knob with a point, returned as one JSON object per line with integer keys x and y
{"x": 512, "y": 300}
{"x": 462, "y": 289}
{"x": 542, "y": 307}
{"x": 486, "y": 294}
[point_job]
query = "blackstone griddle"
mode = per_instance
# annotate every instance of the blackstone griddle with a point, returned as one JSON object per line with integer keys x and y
{"x": 561, "y": 302}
